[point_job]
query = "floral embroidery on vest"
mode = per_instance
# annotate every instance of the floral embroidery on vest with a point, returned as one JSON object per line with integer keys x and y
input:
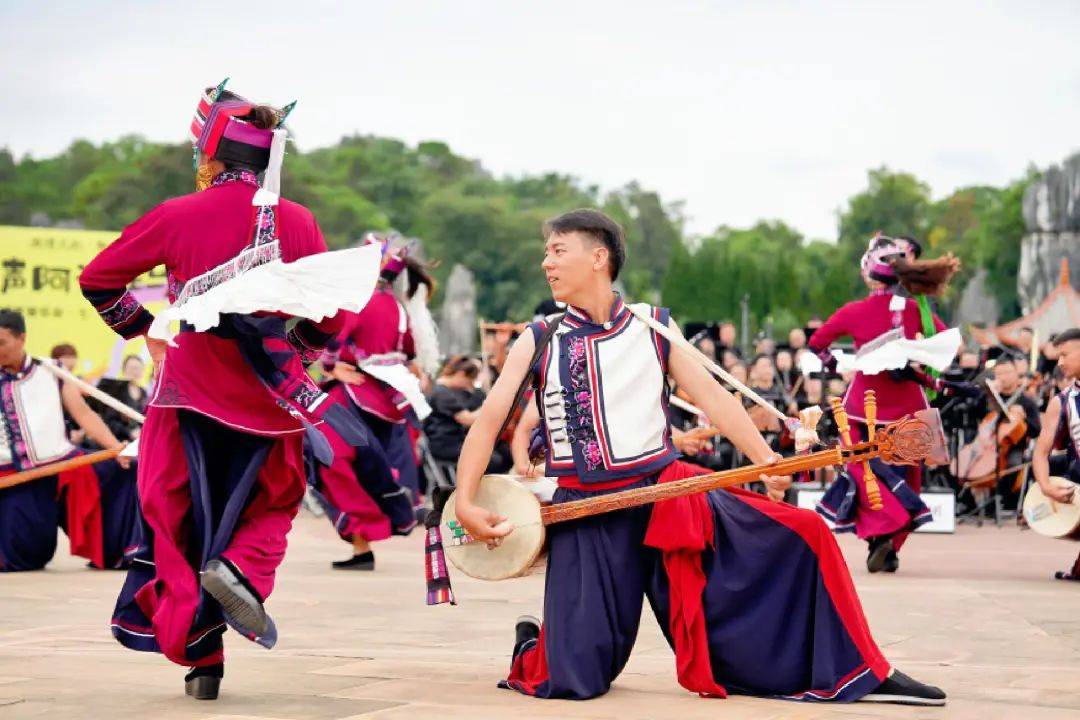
{"x": 580, "y": 405}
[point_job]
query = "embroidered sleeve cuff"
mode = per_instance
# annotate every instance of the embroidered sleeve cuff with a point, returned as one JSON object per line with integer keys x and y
{"x": 120, "y": 311}
{"x": 828, "y": 360}
{"x": 308, "y": 341}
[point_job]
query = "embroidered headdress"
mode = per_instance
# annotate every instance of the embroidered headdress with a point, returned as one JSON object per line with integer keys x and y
{"x": 218, "y": 131}
{"x": 881, "y": 252}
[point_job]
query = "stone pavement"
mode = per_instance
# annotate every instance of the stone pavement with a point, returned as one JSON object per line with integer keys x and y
{"x": 976, "y": 613}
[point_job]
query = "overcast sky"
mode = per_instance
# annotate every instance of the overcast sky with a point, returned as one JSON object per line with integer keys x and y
{"x": 744, "y": 110}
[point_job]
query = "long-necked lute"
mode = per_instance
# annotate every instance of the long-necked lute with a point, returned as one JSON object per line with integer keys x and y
{"x": 905, "y": 442}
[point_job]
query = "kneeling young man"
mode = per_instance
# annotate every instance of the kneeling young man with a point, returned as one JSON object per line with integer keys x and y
{"x": 753, "y": 595}
{"x": 1061, "y": 429}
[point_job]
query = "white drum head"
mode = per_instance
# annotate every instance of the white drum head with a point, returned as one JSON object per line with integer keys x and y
{"x": 1051, "y": 518}
{"x": 503, "y": 495}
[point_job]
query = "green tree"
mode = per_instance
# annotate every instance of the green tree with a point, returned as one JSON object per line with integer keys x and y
{"x": 894, "y": 203}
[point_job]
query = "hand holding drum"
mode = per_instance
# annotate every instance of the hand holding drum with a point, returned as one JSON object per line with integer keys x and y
{"x": 482, "y": 525}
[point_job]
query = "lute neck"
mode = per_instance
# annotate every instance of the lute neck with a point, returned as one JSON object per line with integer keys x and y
{"x": 665, "y": 491}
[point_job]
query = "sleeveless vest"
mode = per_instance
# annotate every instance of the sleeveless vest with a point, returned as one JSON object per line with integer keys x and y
{"x": 32, "y": 431}
{"x": 602, "y": 393}
{"x": 1068, "y": 430}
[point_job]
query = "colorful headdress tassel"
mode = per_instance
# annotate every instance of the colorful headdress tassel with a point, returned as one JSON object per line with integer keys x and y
{"x": 436, "y": 573}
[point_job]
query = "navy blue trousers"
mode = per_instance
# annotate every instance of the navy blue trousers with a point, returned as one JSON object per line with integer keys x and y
{"x": 782, "y": 617}
{"x": 31, "y": 513}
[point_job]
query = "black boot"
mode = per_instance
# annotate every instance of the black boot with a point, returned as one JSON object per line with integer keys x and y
{"x": 526, "y": 629}
{"x": 238, "y": 599}
{"x": 901, "y": 689}
{"x": 203, "y": 683}
{"x": 880, "y": 547}
{"x": 892, "y": 561}
{"x": 363, "y": 561}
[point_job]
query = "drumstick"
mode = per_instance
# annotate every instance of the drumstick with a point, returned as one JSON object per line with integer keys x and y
{"x": 710, "y": 365}
{"x": 93, "y": 391}
{"x": 683, "y": 405}
{"x": 58, "y": 467}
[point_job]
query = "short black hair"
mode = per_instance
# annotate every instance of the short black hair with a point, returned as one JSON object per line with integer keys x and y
{"x": 1006, "y": 358}
{"x": 596, "y": 225}
{"x": 1064, "y": 337}
{"x": 13, "y": 321}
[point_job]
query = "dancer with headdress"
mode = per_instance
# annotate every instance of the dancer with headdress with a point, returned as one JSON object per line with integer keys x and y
{"x": 371, "y": 493}
{"x": 888, "y": 266}
{"x": 221, "y": 471}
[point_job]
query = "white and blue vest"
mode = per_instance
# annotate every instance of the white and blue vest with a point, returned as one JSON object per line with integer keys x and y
{"x": 602, "y": 393}
{"x": 32, "y": 429}
{"x": 1068, "y": 430}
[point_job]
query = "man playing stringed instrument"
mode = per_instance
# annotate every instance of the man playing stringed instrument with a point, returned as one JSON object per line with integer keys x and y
{"x": 94, "y": 505}
{"x": 1014, "y": 427}
{"x": 753, "y": 595}
{"x": 1061, "y": 427}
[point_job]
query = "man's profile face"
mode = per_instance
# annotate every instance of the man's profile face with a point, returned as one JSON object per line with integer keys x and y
{"x": 570, "y": 264}
{"x": 1069, "y": 361}
{"x": 11, "y": 347}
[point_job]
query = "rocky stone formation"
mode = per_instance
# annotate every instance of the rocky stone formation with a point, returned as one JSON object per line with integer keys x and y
{"x": 457, "y": 318}
{"x": 1041, "y": 254}
{"x": 1052, "y": 216}
{"x": 977, "y": 304}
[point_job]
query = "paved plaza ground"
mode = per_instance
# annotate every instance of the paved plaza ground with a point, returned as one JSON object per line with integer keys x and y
{"x": 975, "y": 612}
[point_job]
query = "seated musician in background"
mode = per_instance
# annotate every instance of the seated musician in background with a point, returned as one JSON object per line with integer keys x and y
{"x": 128, "y": 390}
{"x": 786, "y": 373}
{"x": 1061, "y": 429}
{"x": 95, "y": 505}
{"x": 753, "y": 594}
{"x": 1019, "y": 424}
{"x": 455, "y": 403}
{"x": 763, "y": 380}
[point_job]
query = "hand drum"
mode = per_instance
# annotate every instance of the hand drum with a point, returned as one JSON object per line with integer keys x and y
{"x": 505, "y": 496}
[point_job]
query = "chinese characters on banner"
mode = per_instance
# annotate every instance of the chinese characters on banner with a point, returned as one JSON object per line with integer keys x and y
{"x": 39, "y": 277}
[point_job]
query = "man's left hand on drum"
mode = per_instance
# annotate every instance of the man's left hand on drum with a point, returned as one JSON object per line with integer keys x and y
{"x": 483, "y": 525}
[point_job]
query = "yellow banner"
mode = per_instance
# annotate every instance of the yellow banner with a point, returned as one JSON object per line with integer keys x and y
{"x": 39, "y": 277}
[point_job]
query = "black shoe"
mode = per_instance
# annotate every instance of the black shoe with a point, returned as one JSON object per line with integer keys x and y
{"x": 363, "y": 561}
{"x": 901, "y": 689}
{"x": 203, "y": 683}
{"x": 238, "y": 599}
{"x": 892, "y": 562}
{"x": 880, "y": 547}
{"x": 526, "y": 629}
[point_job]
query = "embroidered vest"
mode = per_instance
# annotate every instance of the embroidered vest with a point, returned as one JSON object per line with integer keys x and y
{"x": 1068, "y": 430}
{"x": 602, "y": 392}
{"x": 32, "y": 432}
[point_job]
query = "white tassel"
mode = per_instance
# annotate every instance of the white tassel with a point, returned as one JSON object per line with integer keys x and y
{"x": 271, "y": 188}
{"x": 425, "y": 331}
